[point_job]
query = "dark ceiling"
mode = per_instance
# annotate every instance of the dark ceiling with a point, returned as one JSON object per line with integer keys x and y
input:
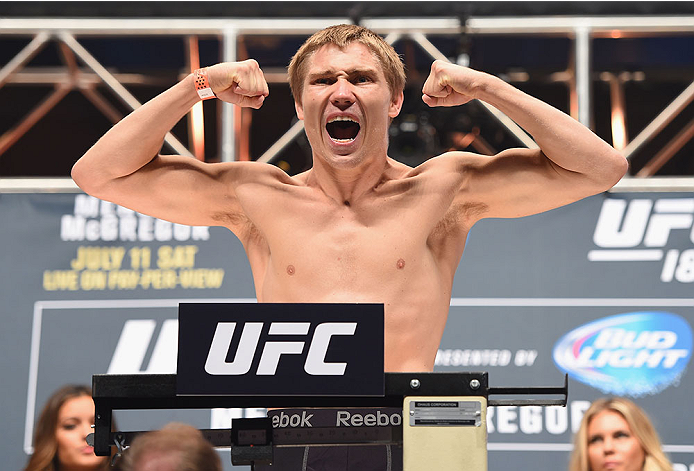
{"x": 663, "y": 63}
{"x": 261, "y": 9}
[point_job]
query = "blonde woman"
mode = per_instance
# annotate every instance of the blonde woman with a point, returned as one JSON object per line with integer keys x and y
{"x": 616, "y": 435}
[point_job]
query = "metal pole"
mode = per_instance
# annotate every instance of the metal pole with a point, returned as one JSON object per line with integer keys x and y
{"x": 642, "y": 25}
{"x": 507, "y": 122}
{"x": 13, "y": 135}
{"x": 196, "y": 121}
{"x": 392, "y": 38}
{"x": 115, "y": 85}
{"x": 23, "y": 56}
{"x": 666, "y": 153}
{"x": 282, "y": 142}
{"x": 660, "y": 121}
{"x": 228, "y": 134}
{"x": 101, "y": 104}
{"x": 582, "y": 42}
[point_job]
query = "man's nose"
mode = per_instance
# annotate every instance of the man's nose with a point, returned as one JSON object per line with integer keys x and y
{"x": 342, "y": 95}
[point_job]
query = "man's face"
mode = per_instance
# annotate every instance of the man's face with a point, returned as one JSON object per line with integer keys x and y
{"x": 346, "y": 105}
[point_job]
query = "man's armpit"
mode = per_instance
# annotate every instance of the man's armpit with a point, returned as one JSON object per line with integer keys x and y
{"x": 239, "y": 225}
{"x": 457, "y": 214}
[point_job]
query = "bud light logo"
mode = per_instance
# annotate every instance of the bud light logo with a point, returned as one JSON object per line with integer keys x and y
{"x": 630, "y": 354}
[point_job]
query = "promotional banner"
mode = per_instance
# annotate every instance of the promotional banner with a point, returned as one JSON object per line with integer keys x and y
{"x": 601, "y": 290}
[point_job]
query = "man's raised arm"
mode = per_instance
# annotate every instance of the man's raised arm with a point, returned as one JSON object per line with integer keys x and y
{"x": 572, "y": 162}
{"x": 123, "y": 166}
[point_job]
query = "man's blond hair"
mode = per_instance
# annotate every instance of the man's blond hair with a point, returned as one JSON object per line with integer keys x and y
{"x": 341, "y": 36}
{"x": 178, "y": 445}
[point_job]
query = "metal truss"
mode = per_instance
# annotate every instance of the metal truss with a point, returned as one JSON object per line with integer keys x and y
{"x": 68, "y": 32}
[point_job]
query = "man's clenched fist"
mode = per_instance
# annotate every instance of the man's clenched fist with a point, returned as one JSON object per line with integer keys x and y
{"x": 450, "y": 84}
{"x": 240, "y": 83}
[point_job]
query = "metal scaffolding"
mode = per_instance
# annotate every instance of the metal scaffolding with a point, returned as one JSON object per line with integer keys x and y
{"x": 581, "y": 30}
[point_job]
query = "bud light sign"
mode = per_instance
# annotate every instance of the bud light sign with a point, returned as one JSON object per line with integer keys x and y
{"x": 630, "y": 354}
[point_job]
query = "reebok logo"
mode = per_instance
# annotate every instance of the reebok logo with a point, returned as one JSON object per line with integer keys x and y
{"x": 379, "y": 419}
{"x": 336, "y": 418}
{"x": 292, "y": 420}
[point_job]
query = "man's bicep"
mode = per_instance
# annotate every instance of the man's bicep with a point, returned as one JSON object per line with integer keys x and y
{"x": 176, "y": 189}
{"x": 521, "y": 182}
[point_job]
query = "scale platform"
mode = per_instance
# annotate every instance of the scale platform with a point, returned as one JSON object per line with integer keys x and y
{"x": 448, "y": 408}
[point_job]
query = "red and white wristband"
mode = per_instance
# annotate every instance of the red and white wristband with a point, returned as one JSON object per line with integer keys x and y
{"x": 202, "y": 85}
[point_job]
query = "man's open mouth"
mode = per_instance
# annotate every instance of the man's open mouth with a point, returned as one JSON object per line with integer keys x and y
{"x": 342, "y": 129}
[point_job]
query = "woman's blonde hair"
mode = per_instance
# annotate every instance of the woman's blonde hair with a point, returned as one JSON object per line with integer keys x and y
{"x": 45, "y": 456}
{"x": 640, "y": 426}
{"x": 341, "y": 36}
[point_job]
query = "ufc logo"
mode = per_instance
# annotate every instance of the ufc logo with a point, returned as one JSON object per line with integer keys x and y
{"x": 623, "y": 224}
{"x": 315, "y": 364}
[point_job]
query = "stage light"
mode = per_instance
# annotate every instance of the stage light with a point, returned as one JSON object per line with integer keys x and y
{"x": 617, "y": 114}
{"x": 619, "y": 132}
{"x": 198, "y": 131}
{"x": 197, "y": 120}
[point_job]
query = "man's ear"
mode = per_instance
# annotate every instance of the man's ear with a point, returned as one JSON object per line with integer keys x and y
{"x": 396, "y": 105}
{"x": 299, "y": 110}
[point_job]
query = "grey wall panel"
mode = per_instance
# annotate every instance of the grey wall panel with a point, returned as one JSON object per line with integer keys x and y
{"x": 522, "y": 286}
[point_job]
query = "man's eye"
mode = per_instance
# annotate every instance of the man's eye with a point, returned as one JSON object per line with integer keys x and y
{"x": 363, "y": 79}
{"x": 323, "y": 81}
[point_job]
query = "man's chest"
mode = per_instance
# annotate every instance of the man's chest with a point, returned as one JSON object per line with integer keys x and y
{"x": 346, "y": 240}
{"x": 345, "y": 263}
{"x": 371, "y": 234}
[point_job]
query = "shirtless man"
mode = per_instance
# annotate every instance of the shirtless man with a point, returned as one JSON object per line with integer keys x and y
{"x": 358, "y": 226}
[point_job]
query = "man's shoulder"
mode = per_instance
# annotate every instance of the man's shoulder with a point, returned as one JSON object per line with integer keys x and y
{"x": 255, "y": 172}
{"x": 452, "y": 161}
